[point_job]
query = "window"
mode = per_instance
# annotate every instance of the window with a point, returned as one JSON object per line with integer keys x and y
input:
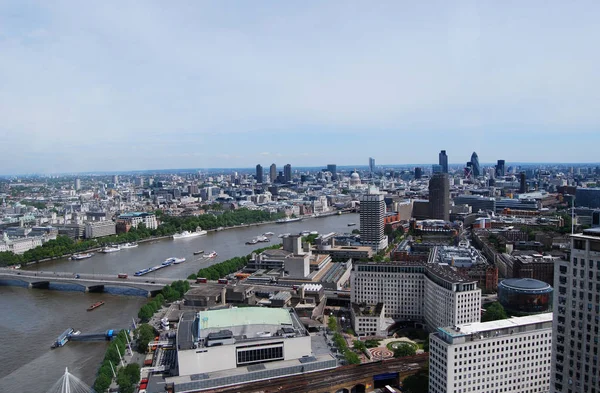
{"x": 259, "y": 355}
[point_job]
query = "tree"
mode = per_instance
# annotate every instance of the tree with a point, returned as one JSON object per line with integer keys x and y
{"x": 351, "y": 357}
{"x": 102, "y": 382}
{"x": 403, "y": 350}
{"x": 359, "y": 345}
{"x": 494, "y": 312}
{"x": 418, "y": 383}
{"x": 332, "y": 324}
{"x": 144, "y": 334}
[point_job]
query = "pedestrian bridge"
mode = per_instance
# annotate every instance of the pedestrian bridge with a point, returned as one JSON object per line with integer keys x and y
{"x": 137, "y": 286}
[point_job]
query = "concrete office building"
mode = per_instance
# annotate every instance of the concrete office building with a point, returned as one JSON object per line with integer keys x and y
{"x": 575, "y": 367}
{"x": 371, "y": 164}
{"x": 509, "y": 355}
{"x": 78, "y": 184}
{"x": 477, "y": 202}
{"x": 400, "y": 287}
{"x": 259, "y": 173}
{"x": 372, "y": 213}
{"x": 417, "y": 292}
{"x": 217, "y": 348}
{"x": 451, "y": 299}
{"x": 273, "y": 173}
{"x": 96, "y": 229}
{"x": 439, "y": 197}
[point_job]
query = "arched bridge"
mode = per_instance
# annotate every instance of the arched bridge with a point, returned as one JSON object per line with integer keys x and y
{"x": 82, "y": 281}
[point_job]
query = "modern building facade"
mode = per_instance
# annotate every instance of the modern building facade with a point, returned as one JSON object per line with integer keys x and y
{"x": 443, "y": 161}
{"x": 510, "y": 355}
{"x": 287, "y": 173}
{"x": 475, "y": 165}
{"x": 333, "y": 169}
{"x": 371, "y": 164}
{"x": 136, "y": 218}
{"x": 372, "y": 213}
{"x": 439, "y": 197}
{"x": 575, "y": 367}
{"x": 94, "y": 229}
{"x": 273, "y": 173}
{"x": 259, "y": 173}
{"x": 500, "y": 168}
{"x": 587, "y": 197}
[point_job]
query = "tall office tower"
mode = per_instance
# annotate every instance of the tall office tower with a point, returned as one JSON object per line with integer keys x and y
{"x": 273, "y": 173}
{"x": 115, "y": 179}
{"x": 439, "y": 197}
{"x": 443, "y": 161}
{"x": 333, "y": 169}
{"x": 468, "y": 171}
{"x": 371, "y": 164}
{"x": 372, "y": 212}
{"x": 500, "y": 168}
{"x": 522, "y": 183}
{"x": 78, "y": 184}
{"x": 475, "y": 165}
{"x": 287, "y": 173}
{"x": 509, "y": 355}
{"x": 259, "y": 173}
{"x": 418, "y": 172}
{"x": 575, "y": 367}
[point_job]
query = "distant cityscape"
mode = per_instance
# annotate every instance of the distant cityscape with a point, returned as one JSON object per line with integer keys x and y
{"x": 487, "y": 272}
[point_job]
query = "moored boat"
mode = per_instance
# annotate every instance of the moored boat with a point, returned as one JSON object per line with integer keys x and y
{"x": 109, "y": 249}
{"x": 77, "y": 257}
{"x": 268, "y": 234}
{"x": 129, "y": 245}
{"x": 288, "y": 219}
{"x": 188, "y": 234}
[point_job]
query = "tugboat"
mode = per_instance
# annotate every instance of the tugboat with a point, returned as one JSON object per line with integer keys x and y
{"x": 95, "y": 305}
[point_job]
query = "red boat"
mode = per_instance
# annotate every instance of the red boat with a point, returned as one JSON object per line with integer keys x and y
{"x": 95, "y": 306}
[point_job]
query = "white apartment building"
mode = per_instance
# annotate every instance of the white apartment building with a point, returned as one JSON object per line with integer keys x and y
{"x": 369, "y": 320}
{"x": 575, "y": 367}
{"x": 94, "y": 229}
{"x": 510, "y": 355}
{"x": 372, "y": 212}
{"x": 137, "y": 218}
{"x": 450, "y": 299}
{"x": 20, "y": 245}
{"x": 400, "y": 287}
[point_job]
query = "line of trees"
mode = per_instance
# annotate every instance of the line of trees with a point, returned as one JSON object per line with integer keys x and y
{"x": 63, "y": 245}
{"x": 111, "y": 357}
{"x": 229, "y": 266}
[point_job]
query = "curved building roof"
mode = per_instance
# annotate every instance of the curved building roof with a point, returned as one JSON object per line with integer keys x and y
{"x": 525, "y": 285}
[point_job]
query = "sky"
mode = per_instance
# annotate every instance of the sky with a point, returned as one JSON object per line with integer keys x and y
{"x": 133, "y": 85}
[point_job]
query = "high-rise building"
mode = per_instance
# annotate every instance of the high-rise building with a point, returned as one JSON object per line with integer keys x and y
{"x": 115, "y": 179}
{"x": 333, "y": 169}
{"x": 372, "y": 213}
{"x": 443, "y": 161}
{"x": 371, "y": 164}
{"x": 287, "y": 173}
{"x": 475, "y": 165}
{"x": 509, "y": 355}
{"x": 522, "y": 183}
{"x": 500, "y": 168}
{"x": 273, "y": 173}
{"x": 418, "y": 172}
{"x": 575, "y": 366}
{"x": 78, "y": 184}
{"x": 259, "y": 173}
{"x": 439, "y": 197}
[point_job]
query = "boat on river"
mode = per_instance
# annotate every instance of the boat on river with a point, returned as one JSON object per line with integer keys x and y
{"x": 198, "y": 252}
{"x": 95, "y": 305}
{"x": 188, "y": 234}
{"x": 78, "y": 257}
{"x": 212, "y": 254}
{"x": 128, "y": 245}
{"x": 288, "y": 219}
{"x": 109, "y": 249}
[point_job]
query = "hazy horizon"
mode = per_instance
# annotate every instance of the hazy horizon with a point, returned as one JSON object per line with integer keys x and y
{"x": 115, "y": 86}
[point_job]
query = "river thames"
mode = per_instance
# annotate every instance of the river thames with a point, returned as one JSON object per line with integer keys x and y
{"x": 32, "y": 318}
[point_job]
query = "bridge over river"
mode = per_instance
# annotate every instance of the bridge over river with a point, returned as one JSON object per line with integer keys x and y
{"x": 143, "y": 286}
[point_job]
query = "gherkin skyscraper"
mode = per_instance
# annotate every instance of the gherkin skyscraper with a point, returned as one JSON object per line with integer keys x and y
{"x": 475, "y": 165}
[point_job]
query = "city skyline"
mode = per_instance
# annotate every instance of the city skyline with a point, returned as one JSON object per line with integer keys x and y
{"x": 142, "y": 86}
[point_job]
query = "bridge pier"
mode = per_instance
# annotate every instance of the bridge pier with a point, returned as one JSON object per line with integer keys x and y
{"x": 94, "y": 288}
{"x": 40, "y": 284}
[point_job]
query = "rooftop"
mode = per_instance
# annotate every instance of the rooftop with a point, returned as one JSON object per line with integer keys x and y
{"x": 220, "y": 319}
{"x": 525, "y": 283}
{"x": 480, "y": 327}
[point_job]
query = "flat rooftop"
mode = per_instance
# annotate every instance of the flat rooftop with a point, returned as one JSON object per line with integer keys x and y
{"x": 232, "y": 317}
{"x": 479, "y": 327}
